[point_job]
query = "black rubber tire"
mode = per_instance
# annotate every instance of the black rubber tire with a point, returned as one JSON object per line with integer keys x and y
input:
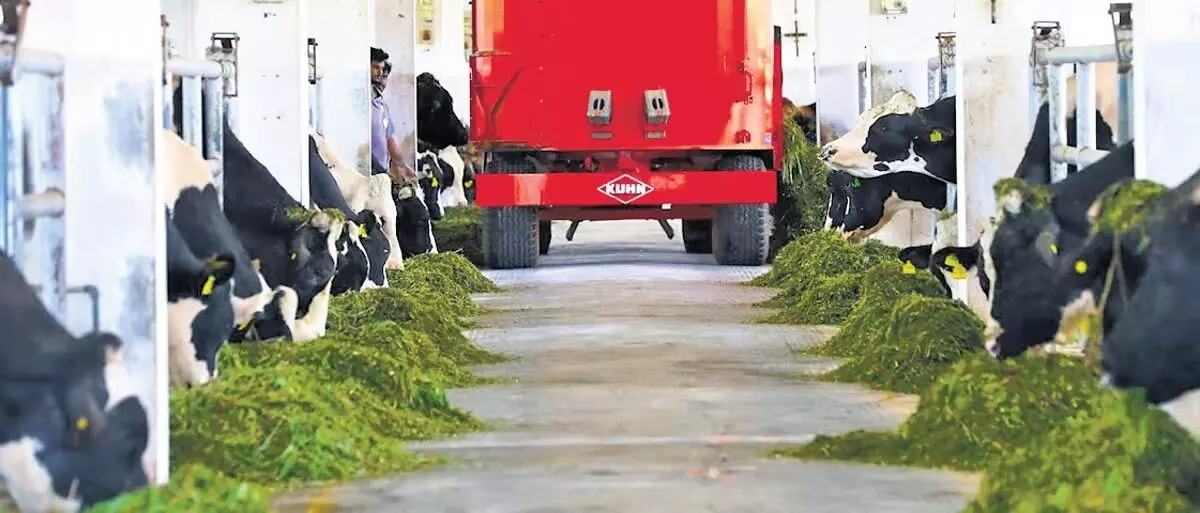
{"x": 742, "y": 233}
{"x": 544, "y": 235}
{"x": 510, "y": 234}
{"x": 697, "y": 236}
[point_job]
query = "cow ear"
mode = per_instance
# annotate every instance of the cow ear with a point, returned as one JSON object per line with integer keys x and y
{"x": 916, "y": 256}
{"x": 217, "y": 271}
{"x": 957, "y": 260}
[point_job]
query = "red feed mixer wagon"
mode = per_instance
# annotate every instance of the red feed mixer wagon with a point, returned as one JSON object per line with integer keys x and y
{"x": 626, "y": 109}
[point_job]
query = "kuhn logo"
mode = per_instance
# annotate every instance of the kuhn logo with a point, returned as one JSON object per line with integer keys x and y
{"x": 625, "y": 189}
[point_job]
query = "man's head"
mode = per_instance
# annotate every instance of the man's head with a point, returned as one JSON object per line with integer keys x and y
{"x": 378, "y": 64}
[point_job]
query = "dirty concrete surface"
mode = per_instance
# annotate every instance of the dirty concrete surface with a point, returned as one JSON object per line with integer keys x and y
{"x": 639, "y": 388}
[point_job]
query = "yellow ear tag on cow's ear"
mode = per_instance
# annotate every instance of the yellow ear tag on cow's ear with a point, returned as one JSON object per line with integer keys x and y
{"x": 433, "y": 182}
{"x": 958, "y": 272}
{"x": 1054, "y": 249}
{"x": 207, "y": 289}
{"x": 362, "y": 231}
{"x": 293, "y": 256}
{"x": 935, "y": 135}
{"x": 82, "y": 423}
{"x": 1081, "y": 267}
{"x": 909, "y": 268}
{"x": 244, "y": 325}
{"x": 469, "y": 183}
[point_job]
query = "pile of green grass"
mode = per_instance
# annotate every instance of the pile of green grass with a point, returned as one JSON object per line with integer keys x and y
{"x": 976, "y": 413}
{"x": 193, "y": 488}
{"x": 821, "y": 277}
{"x": 285, "y": 415}
{"x": 803, "y": 194}
{"x": 461, "y": 230}
{"x": 922, "y": 337}
{"x": 1119, "y": 455}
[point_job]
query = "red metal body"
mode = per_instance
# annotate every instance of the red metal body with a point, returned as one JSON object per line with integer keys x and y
{"x": 536, "y": 63}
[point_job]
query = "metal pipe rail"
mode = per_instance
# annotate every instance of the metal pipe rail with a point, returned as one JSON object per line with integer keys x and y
{"x": 203, "y": 83}
{"x": 1049, "y": 58}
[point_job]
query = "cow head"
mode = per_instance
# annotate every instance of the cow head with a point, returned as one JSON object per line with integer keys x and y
{"x": 430, "y": 177}
{"x": 76, "y": 437}
{"x": 1152, "y": 346}
{"x": 413, "y": 227}
{"x": 898, "y": 136}
{"x": 376, "y": 246}
{"x": 313, "y": 257}
{"x": 352, "y": 263}
{"x": 437, "y": 123}
{"x": 870, "y": 203}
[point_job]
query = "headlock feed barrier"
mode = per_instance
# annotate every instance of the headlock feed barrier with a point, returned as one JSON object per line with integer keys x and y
{"x": 1049, "y": 57}
{"x": 214, "y": 80}
{"x": 33, "y": 178}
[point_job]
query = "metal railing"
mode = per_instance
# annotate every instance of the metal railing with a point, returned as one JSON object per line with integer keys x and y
{"x": 204, "y": 107}
{"x": 1049, "y": 59}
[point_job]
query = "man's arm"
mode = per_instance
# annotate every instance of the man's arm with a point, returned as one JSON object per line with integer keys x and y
{"x": 399, "y": 170}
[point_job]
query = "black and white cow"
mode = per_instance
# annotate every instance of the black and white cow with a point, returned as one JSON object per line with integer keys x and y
{"x": 1152, "y": 345}
{"x": 860, "y": 207}
{"x": 1027, "y": 246}
{"x": 195, "y": 209}
{"x": 72, "y": 430}
{"x": 430, "y": 179}
{"x": 898, "y": 136}
{"x": 372, "y": 193}
{"x": 414, "y": 228}
{"x": 358, "y": 253}
{"x": 437, "y": 123}
{"x": 300, "y": 254}
{"x": 199, "y": 309}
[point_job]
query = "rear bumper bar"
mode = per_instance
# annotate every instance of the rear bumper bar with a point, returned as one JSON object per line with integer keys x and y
{"x": 626, "y": 189}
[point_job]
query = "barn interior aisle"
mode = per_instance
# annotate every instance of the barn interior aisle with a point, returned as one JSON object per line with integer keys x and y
{"x": 640, "y": 387}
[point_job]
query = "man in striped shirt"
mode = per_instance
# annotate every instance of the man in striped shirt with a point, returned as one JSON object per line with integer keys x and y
{"x": 385, "y": 150}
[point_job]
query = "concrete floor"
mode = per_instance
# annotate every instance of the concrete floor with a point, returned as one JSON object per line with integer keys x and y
{"x": 639, "y": 388}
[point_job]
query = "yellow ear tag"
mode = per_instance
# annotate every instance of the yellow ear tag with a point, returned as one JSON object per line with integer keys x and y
{"x": 207, "y": 289}
{"x": 1054, "y": 249}
{"x": 935, "y": 135}
{"x": 1080, "y": 267}
{"x": 433, "y": 182}
{"x": 909, "y": 268}
{"x": 244, "y": 325}
{"x": 469, "y": 183}
{"x": 362, "y": 231}
{"x": 82, "y": 423}
{"x": 293, "y": 256}
{"x": 958, "y": 272}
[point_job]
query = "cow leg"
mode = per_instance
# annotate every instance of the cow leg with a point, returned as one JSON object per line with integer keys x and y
{"x": 571, "y": 230}
{"x": 666, "y": 226}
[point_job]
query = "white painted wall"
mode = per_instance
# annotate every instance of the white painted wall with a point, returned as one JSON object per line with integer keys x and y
{"x": 1166, "y": 34}
{"x": 799, "y": 55}
{"x": 840, "y": 47}
{"x": 444, "y": 57}
{"x": 344, "y": 30}
{"x": 993, "y": 86}
{"x": 394, "y": 33}
{"x": 273, "y": 94}
{"x": 114, "y": 220}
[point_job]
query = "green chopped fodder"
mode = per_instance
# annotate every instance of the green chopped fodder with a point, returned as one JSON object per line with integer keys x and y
{"x": 803, "y": 193}
{"x": 461, "y": 230}
{"x": 1123, "y": 205}
{"x": 825, "y": 254}
{"x": 882, "y": 285}
{"x": 192, "y": 488}
{"x": 827, "y": 300}
{"x": 978, "y": 411}
{"x": 286, "y": 426}
{"x": 423, "y": 310}
{"x": 1118, "y": 456}
{"x": 923, "y": 337}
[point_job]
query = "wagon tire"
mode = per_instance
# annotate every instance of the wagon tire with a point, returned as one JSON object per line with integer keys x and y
{"x": 742, "y": 233}
{"x": 510, "y": 234}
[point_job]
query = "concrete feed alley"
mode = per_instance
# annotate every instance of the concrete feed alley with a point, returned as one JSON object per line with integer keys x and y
{"x": 640, "y": 388}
